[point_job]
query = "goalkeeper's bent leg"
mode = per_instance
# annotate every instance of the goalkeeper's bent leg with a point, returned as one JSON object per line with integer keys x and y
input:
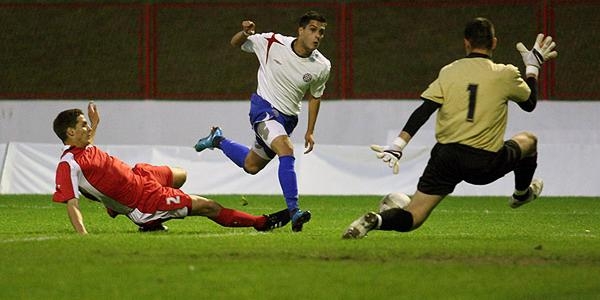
{"x": 396, "y": 219}
{"x": 524, "y": 172}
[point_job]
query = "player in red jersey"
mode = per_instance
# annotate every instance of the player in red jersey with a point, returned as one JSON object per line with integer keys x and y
{"x": 148, "y": 195}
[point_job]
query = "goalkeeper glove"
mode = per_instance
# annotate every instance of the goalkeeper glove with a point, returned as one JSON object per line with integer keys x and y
{"x": 390, "y": 155}
{"x": 542, "y": 51}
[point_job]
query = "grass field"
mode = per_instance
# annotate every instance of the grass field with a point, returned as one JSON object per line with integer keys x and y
{"x": 470, "y": 248}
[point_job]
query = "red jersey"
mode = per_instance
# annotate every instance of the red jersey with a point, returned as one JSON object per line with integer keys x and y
{"x": 114, "y": 183}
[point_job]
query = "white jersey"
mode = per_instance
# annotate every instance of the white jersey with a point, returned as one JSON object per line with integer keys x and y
{"x": 283, "y": 76}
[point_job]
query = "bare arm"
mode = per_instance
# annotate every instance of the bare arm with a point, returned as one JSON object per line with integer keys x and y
{"x": 313, "y": 111}
{"x": 94, "y": 117}
{"x": 75, "y": 216}
{"x": 240, "y": 37}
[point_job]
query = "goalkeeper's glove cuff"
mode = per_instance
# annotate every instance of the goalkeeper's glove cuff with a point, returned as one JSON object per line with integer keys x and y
{"x": 532, "y": 70}
{"x": 398, "y": 144}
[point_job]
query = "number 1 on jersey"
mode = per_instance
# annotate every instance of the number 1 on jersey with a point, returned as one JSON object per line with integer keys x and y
{"x": 472, "y": 88}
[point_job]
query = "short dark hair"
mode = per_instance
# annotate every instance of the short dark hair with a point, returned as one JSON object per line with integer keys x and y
{"x": 480, "y": 33}
{"x": 310, "y": 15}
{"x": 66, "y": 119}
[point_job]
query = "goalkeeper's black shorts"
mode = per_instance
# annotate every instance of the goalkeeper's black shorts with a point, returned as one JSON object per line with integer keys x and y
{"x": 451, "y": 164}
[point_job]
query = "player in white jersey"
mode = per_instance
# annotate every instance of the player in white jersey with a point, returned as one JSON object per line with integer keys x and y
{"x": 290, "y": 68}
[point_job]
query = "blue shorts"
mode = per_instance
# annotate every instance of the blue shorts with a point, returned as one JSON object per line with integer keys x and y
{"x": 261, "y": 111}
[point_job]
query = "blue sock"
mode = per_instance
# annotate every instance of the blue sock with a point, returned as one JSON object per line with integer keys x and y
{"x": 236, "y": 152}
{"x": 288, "y": 181}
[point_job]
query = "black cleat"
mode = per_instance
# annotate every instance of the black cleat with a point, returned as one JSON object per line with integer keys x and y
{"x": 275, "y": 220}
{"x": 153, "y": 227}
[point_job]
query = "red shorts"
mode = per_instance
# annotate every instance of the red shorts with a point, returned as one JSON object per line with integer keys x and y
{"x": 158, "y": 196}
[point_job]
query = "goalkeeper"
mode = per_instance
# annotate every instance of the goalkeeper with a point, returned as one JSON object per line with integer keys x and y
{"x": 471, "y": 96}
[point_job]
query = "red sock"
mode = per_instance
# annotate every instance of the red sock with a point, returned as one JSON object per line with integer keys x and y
{"x": 235, "y": 218}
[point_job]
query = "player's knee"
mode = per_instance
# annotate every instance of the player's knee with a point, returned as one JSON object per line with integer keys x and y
{"x": 527, "y": 142}
{"x": 253, "y": 164}
{"x": 179, "y": 177}
{"x": 252, "y": 170}
{"x": 532, "y": 144}
{"x": 531, "y": 137}
{"x": 282, "y": 146}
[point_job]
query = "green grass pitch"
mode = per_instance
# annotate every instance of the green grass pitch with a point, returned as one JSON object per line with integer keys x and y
{"x": 470, "y": 248}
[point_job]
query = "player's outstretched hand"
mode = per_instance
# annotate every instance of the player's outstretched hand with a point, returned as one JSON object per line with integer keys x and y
{"x": 93, "y": 114}
{"x": 542, "y": 51}
{"x": 389, "y": 156}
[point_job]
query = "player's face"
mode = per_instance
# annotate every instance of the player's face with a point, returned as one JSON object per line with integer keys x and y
{"x": 82, "y": 132}
{"x": 311, "y": 35}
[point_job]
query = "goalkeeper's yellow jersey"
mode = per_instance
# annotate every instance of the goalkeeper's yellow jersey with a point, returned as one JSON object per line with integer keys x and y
{"x": 474, "y": 94}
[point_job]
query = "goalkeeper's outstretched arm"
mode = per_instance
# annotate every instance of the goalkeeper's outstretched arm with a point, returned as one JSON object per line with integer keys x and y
{"x": 391, "y": 154}
{"x": 542, "y": 51}
{"x": 530, "y": 104}
{"x": 418, "y": 118}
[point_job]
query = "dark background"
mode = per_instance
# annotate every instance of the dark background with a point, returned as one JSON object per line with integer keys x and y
{"x": 180, "y": 50}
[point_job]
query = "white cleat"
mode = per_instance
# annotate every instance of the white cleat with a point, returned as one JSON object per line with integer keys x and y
{"x": 361, "y": 226}
{"x": 536, "y": 189}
